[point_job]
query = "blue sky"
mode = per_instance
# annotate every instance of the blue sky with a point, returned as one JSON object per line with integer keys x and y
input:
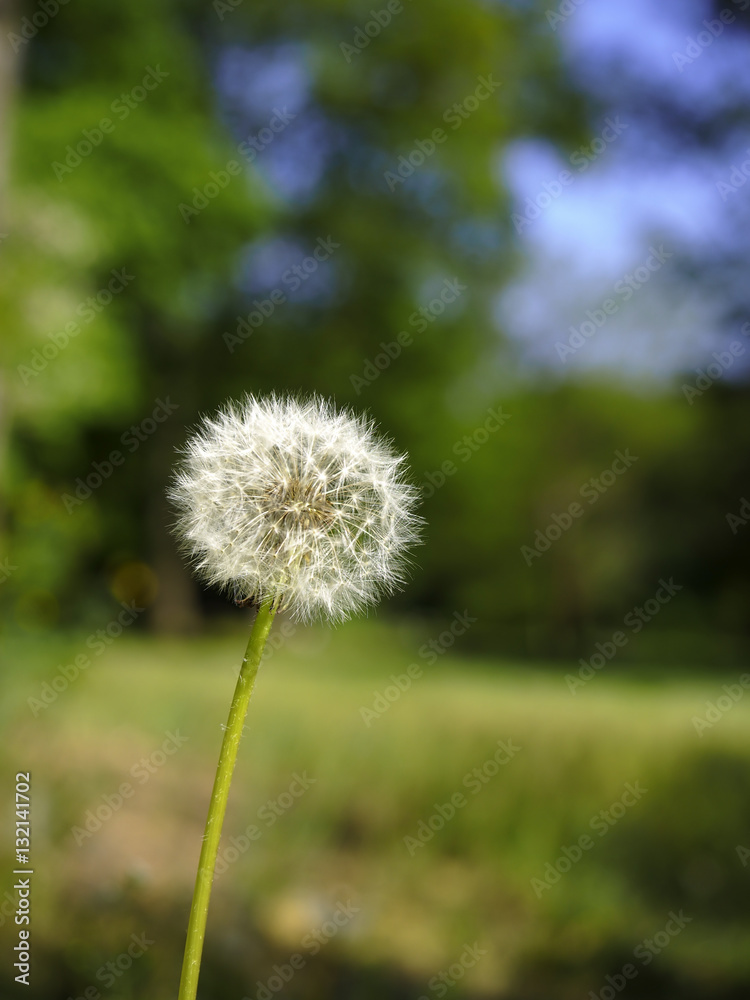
{"x": 638, "y": 187}
{"x": 658, "y": 78}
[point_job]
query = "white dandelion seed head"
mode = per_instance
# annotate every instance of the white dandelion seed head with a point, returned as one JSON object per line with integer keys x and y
{"x": 295, "y": 501}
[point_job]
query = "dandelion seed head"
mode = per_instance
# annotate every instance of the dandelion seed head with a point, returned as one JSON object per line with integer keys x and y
{"x": 295, "y": 501}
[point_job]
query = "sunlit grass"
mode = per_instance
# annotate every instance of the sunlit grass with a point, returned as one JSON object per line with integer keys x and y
{"x": 374, "y": 784}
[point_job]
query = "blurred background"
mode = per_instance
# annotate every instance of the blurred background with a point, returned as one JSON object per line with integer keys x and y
{"x": 517, "y": 235}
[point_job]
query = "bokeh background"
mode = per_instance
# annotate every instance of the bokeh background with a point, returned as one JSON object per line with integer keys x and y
{"x": 517, "y": 235}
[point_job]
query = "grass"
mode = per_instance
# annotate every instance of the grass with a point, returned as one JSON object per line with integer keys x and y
{"x": 339, "y": 835}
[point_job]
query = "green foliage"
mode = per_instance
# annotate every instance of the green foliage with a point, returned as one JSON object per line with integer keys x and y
{"x": 361, "y": 829}
{"x": 128, "y": 207}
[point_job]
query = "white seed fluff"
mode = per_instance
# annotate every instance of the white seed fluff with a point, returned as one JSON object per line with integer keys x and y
{"x": 298, "y": 502}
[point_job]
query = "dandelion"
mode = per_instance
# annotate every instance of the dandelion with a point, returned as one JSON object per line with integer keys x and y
{"x": 293, "y": 504}
{"x": 298, "y": 503}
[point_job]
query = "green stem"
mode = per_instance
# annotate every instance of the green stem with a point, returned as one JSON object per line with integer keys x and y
{"x": 207, "y": 863}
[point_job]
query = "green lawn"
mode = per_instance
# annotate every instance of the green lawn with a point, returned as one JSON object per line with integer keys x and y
{"x": 425, "y": 829}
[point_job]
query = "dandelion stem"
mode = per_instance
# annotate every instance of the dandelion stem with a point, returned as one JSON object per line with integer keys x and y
{"x": 216, "y": 810}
